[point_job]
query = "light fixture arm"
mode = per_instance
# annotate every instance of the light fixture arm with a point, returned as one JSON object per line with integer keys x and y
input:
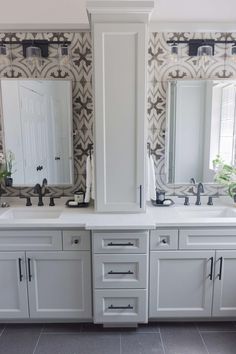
{"x": 194, "y": 44}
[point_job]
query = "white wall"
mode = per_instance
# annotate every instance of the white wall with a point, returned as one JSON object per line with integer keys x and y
{"x": 71, "y": 14}
{"x": 43, "y": 14}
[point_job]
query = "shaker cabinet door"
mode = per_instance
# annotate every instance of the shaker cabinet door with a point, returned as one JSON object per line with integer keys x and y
{"x": 224, "y": 303}
{"x": 59, "y": 284}
{"x": 120, "y": 91}
{"x": 13, "y": 285}
{"x": 181, "y": 284}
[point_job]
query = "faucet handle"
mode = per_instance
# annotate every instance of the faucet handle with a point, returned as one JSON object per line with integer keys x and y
{"x": 210, "y": 199}
{"x": 186, "y": 199}
{"x": 28, "y": 200}
{"x": 52, "y": 203}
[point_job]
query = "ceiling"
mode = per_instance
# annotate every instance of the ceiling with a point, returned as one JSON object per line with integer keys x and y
{"x": 71, "y": 14}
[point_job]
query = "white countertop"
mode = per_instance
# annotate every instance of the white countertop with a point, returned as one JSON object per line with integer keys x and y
{"x": 174, "y": 216}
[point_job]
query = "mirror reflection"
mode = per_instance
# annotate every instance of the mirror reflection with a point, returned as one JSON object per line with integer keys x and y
{"x": 200, "y": 125}
{"x": 37, "y": 130}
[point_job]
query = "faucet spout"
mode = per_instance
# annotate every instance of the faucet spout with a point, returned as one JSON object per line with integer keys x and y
{"x": 200, "y": 189}
{"x": 41, "y": 191}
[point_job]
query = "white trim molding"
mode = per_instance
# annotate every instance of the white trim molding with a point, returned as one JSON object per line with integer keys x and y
{"x": 192, "y": 26}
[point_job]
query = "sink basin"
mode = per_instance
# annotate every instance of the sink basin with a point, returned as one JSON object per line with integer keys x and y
{"x": 206, "y": 212}
{"x": 18, "y": 214}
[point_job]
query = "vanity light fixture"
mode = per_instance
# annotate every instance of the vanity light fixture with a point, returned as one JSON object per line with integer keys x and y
{"x": 174, "y": 53}
{"x": 205, "y": 50}
{"x": 34, "y": 56}
{"x": 233, "y": 53}
{"x": 34, "y": 50}
{"x": 64, "y": 54}
{"x": 4, "y": 56}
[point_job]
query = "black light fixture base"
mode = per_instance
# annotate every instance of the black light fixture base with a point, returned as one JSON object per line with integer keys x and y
{"x": 40, "y": 43}
{"x": 194, "y": 44}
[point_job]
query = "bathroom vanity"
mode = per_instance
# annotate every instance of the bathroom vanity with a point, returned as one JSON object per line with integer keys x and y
{"x": 116, "y": 269}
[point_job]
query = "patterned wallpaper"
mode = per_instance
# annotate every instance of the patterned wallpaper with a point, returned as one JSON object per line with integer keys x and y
{"x": 160, "y": 69}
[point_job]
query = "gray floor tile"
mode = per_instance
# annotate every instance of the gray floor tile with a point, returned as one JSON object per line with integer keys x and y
{"x": 181, "y": 338}
{"x": 19, "y": 339}
{"x": 62, "y": 328}
{"x": 215, "y": 326}
{"x": 95, "y": 328}
{"x": 86, "y": 343}
{"x": 220, "y": 343}
{"x": 141, "y": 343}
{"x": 152, "y": 327}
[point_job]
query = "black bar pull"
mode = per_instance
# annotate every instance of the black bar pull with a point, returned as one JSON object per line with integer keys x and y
{"x": 120, "y": 244}
{"x": 129, "y": 307}
{"x": 29, "y": 269}
{"x": 221, "y": 266}
{"x": 20, "y": 269}
{"x": 211, "y": 271}
{"x": 140, "y": 196}
{"x": 114, "y": 273}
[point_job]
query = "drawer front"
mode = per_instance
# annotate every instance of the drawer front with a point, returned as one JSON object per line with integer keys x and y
{"x": 76, "y": 240}
{"x": 120, "y": 271}
{"x": 120, "y": 306}
{"x": 207, "y": 239}
{"x": 164, "y": 239}
{"x": 120, "y": 242}
{"x": 30, "y": 240}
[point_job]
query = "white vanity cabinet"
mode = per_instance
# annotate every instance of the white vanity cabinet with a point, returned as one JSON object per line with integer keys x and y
{"x": 120, "y": 281}
{"x": 193, "y": 273}
{"x": 181, "y": 283}
{"x": 41, "y": 284}
{"x": 13, "y": 285}
{"x": 224, "y": 303}
{"x": 59, "y": 284}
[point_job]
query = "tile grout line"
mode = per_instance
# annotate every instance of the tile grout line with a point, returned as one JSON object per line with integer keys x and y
{"x": 205, "y": 346}
{"x": 2, "y": 331}
{"x": 120, "y": 345}
{"x": 40, "y": 334}
{"x": 162, "y": 343}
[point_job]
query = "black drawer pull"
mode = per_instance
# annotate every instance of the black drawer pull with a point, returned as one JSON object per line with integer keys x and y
{"x": 211, "y": 272}
{"x": 129, "y": 307}
{"x": 20, "y": 269}
{"x": 221, "y": 266}
{"x": 129, "y": 272}
{"x": 29, "y": 269}
{"x": 120, "y": 244}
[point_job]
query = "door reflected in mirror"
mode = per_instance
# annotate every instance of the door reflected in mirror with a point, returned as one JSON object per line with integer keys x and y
{"x": 200, "y": 126}
{"x": 37, "y": 129}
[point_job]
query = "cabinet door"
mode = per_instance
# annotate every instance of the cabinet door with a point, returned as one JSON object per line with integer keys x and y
{"x": 13, "y": 285}
{"x": 120, "y": 91}
{"x": 224, "y": 303}
{"x": 181, "y": 283}
{"x": 59, "y": 284}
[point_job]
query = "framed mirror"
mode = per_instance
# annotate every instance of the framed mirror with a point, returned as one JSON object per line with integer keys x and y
{"x": 37, "y": 130}
{"x": 201, "y": 124}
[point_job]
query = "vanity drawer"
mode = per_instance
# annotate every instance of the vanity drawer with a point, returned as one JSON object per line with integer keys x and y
{"x": 164, "y": 239}
{"x": 30, "y": 240}
{"x": 207, "y": 239}
{"x": 120, "y": 306}
{"x": 74, "y": 240}
{"x": 120, "y": 242}
{"x": 120, "y": 271}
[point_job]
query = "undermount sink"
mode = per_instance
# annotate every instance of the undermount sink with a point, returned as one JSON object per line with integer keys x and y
{"x": 23, "y": 214}
{"x": 206, "y": 212}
